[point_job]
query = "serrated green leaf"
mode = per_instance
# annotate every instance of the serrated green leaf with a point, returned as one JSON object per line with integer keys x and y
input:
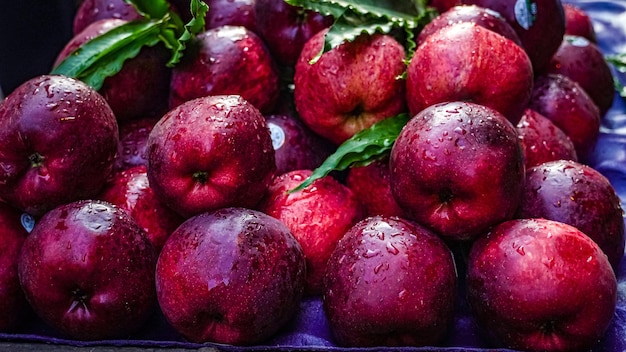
{"x": 104, "y": 55}
{"x": 150, "y": 8}
{"x": 363, "y": 148}
{"x": 618, "y": 61}
{"x": 196, "y": 25}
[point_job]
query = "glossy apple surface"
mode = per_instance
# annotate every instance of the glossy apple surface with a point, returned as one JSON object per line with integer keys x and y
{"x": 133, "y": 136}
{"x": 87, "y": 269}
{"x": 58, "y": 138}
{"x": 458, "y": 169}
{"x": 233, "y": 276}
{"x": 578, "y": 22}
{"x": 541, "y": 285}
{"x": 389, "y": 282}
{"x": 90, "y": 11}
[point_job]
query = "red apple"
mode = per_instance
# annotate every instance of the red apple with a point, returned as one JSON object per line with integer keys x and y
{"x": 542, "y": 140}
{"x": 541, "y": 285}
{"x": 467, "y": 62}
{"x": 359, "y": 81}
{"x": 141, "y": 87}
{"x": 570, "y": 108}
{"x": 286, "y": 28}
{"x": 540, "y": 25}
{"x": 583, "y": 62}
{"x": 90, "y": 11}
{"x": 210, "y": 153}
{"x": 58, "y": 138}
{"x": 132, "y": 145}
{"x": 578, "y": 195}
{"x": 232, "y": 276}
{"x": 129, "y": 189}
{"x": 578, "y": 22}
{"x": 296, "y": 146}
{"x": 389, "y": 282}
{"x": 372, "y": 187}
{"x": 226, "y": 60}
{"x": 13, "y": 305}
{"x": 470, "y": 13}
{"x": 318, "y": 216}
{"x": 458, "y": 169}
{"x": 87, "y": 269}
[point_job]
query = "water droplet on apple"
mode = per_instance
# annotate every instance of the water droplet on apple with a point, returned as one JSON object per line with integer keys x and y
{"x": 520, "y": 250}
{"x": 402, "y": 294}
{"x": 392, "y": 249}
{"x": 371, "y": 253}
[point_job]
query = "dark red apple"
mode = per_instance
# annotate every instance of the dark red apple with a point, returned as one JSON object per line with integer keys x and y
{"x": 458, "y": 169}
{"x": 542, "y": 140}
{"x": 13, "y": 305}
{"x": 540, "y": 25}
{"x": 470, "y": 13}
{"x": 90, "y": 11}
{"x": 226, "y": 60}
{"x": 286, "y": 28}
{"x": 389, "y": 282}
{"x": 232, "y": 276}
{"x": 132, "y": 145}
{"x": 583, "y": 62}
{"x": 318, "y": 216}
{"x": 296, "y": 146}
{"x": 129, "y": 189}
{"x": 541, "y": 285}
{"x": 372, "y": 187}
{"x": 570, "y": 108}
{"x": 578, "y": 22}
{"x": 359, "y": 80}
{"x": 58, "y": 138}
{"x": 210, "y": 153}
{"x": 467, "y": 62}
{"x": 578, "y": 195}
{"x": 141, "y": 87}
{"x": 222, "y": 12}
{"x": 443, "y": 5}
{"x": 87, "y": 269}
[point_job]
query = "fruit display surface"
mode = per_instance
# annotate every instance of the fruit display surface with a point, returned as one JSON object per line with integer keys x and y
{"x": 311, "y": 330}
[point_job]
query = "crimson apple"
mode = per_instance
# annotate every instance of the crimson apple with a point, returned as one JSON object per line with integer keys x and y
{"x": 13, "y": 305}
{"x": 286, "y": 28}
{"x": 359, "y": 81}
{"x": 87, "y": 269}
{"x": 583, "y": 62}
{"x": 570, "y": 108}
{"x": 141, "y": 87}
{"x": 542, "y": 140}
{"x": 578, "y": 195}
{"x": 457, "y": 168}
{"x": 232, "y": 276}
{"x": 389, "y": 282}
{"x": 467, "y": 62}
{"x": 133, "y": 136}
{"x": 578, "y": 22}
{"x": 210, "y": 153}
{"x": 90, "y": 11}
{"x": 223, "y": 61}
{"x": 541, "y": 285}
{"x": 58, "y": 138}
{"x": 318, "y": 216}
{"x": 129, "y": 189}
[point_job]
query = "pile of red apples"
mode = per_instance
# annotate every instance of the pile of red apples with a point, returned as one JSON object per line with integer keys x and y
{"x": 170, "y": 190}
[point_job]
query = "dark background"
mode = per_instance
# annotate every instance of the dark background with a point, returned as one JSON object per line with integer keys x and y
{"x": 32, "y": 33}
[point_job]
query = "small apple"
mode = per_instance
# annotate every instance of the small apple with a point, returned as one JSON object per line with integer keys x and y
{"x": 578, "y": 195}
{"x": 232, "y": 276}
{"x": 90, "y": 11}
{"x": 389, "y": 282}
{"x": 13, "y": 305}
{"x": 286, "y": 28}
{"x": 541, "y": 285}
{"x": 578, "y": 22}
{"x": 542, "y": 140}
{"x": 570, "y": 108}
{"x": 210, "y": 153}
{"x": 296, "y": 146}
{"x": 318, "y": 216}
{"x": 458, "y": 169}
{"x": 133, "y": 137}
{"x": 87, "y": 269}
{"x": 129, "y": 189}
{"x": 223, "y": 61}
{"x": 58, "y": 138}
{"x": 467, "y": 62}
{"x": 359, "y": 81}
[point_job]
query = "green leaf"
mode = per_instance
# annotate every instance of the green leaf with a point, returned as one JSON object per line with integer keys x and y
{"x": 150, "y": 8}
{"x": 619, "y": 62}
{"x": 363, "y": 148}
{"x": 196, "y": 25}
{"x": 104, "y": 55}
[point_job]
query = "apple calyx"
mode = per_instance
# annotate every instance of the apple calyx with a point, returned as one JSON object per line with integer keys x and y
{"x": 201, "y": 177}
{"x": 79, "y": 301}
{"x": 36, "y": 159}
